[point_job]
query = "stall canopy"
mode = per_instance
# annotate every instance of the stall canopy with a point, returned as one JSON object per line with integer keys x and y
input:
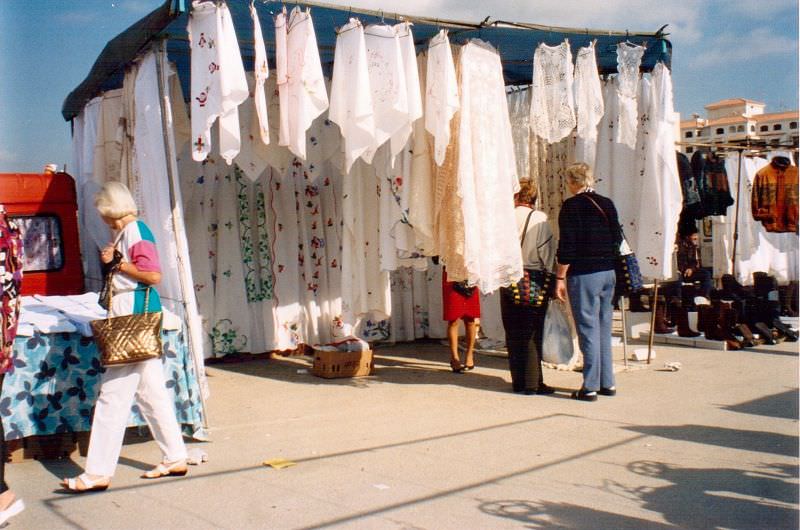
{"x": 515, "y": 41}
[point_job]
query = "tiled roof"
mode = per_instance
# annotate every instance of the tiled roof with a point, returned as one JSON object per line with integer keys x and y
{"x": 731, "y": 102}
{"x": 777, "y": 116}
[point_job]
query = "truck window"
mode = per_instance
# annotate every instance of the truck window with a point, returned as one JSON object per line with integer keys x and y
{"x": 42, "y": 242}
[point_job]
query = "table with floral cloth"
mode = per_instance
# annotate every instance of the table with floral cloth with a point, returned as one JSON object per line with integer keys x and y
{"x": 56, "y": 378}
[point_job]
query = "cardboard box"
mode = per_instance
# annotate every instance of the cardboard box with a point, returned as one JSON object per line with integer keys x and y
{"x": 333, "y": 364}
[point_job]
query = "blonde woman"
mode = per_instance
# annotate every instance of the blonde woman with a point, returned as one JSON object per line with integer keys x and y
{"x": 134, "y": 257}
{"x": 589, "y": 234}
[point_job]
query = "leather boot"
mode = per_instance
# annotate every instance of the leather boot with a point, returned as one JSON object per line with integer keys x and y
{"x": 713, "y": 321}
{"x": 727, "y": 323}
{"x": 703, "y": 317}
{"x": 748, "y": 340}
{"x": 661, "y": 326}
{"x": 680, "y": 317}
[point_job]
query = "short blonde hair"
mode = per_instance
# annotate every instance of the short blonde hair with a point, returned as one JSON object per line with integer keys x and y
{"x": 527, "y": 193}
{"x": 115, "y": 201}
{"x": 580, "y": 174}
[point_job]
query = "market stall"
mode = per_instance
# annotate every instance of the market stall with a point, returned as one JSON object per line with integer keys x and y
{"x": 292, "y": 233}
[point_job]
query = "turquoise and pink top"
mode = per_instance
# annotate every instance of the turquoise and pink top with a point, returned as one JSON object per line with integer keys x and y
{"x": 137, "y": 245}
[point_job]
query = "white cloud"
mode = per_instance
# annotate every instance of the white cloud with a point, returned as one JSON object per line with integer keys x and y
{"x": 761, "y": 9}
{"x": 732, "y": 48}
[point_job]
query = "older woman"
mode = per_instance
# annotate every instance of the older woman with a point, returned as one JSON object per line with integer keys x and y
{"x": 134, "y": 258}
{"x": 524, "y": 324}
{"x": 589, "y": 234}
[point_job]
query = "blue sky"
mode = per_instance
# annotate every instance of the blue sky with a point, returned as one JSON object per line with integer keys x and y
{"x": 721, "y": 49}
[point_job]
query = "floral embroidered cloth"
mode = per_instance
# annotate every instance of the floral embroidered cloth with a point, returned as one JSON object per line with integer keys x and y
{"x": 56, "y": 378}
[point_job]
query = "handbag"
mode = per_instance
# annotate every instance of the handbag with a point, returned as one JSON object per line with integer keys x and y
{"x": 626, "y": 266}
{"x": 536, "y": 287}
{"x": 463, "y": 288}
{"x": 129, "y": 338}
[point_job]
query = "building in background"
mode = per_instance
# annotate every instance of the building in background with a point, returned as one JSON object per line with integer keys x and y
{"x": 740, "y": 121}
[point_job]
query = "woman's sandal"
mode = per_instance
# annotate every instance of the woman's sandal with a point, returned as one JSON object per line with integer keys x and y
{"x": 167, "y": 469}
{"x": 456, "y": 366}
{"x": 71, "y": 485}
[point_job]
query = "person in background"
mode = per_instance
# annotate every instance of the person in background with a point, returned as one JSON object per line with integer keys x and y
{"x": 11, "y": 278}
{"x": 589, "y": 236}
{"x": 524, "y": 324}
{"x": 689, "y": 263}
{"x": 137, "y": 270}
{"x": 460, "y": 302}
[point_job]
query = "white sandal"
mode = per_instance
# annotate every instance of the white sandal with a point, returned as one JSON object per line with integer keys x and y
{"x": 71, "y": 484}
{"x": 168, "y": 469}
{"x": 15, "y": 508}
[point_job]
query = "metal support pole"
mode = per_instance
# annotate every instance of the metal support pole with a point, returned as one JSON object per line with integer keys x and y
{"x": 177, "y": 226}
{"x": 623, "y": 303}
{"x": 652, "y": 321}
{"x": 736, "y": 216}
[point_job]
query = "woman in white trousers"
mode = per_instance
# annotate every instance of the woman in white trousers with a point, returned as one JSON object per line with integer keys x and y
{"x": 134, "y": 260}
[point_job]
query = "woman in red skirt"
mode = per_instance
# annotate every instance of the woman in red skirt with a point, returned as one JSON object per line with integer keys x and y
{"x": 460, "y": 303}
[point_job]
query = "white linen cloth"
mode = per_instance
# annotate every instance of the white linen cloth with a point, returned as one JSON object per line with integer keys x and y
{"x": 552, "y": 97}
{"x": 301, "y": 84}
{"x": 351, "y": 98}
{"x": 217, "y": 77}
{"x": 487, "y": 172}
{"x": 588, "y": 104}
{"x": 421, "y": 187}
{"x": 441, "y": 93}
{"x": 412, "y": 86}
{"x": 629, "y": 58}
{"x": 387, "y": 83}
{"x": 365, "y": 286}
{"x": 661, "y": 198}
{"x": 253, "y": 157}
{"x": 261, "y": 69}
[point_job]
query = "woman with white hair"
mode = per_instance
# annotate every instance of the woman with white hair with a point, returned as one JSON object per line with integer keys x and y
{"x": 134, "y": 259}
{"x": 589, "y": 236}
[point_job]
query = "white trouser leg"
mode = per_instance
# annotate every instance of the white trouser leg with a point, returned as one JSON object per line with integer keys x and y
{"x": 111, "y": 413}
{"x": 158, "y": 409}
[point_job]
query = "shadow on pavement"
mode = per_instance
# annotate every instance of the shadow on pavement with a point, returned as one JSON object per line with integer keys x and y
{"x": 783, "y": 405}
{"x": 543, "y": 514}
{"x": 719, "y": 497}
{"x": 423, "y": 363}
{"x": 757, "y": 441}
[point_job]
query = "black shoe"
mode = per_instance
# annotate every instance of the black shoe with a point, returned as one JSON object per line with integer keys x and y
{"x": 789, "y": 333}
{"x": 545, "y": 390}
{"x": 608, "y": 391}
{"x": 584, "y": 395}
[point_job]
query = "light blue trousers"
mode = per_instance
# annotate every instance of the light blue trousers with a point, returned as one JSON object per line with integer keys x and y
{"x": 590, "y": 297}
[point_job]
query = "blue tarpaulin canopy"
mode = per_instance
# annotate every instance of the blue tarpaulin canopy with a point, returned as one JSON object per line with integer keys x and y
{"x": 516, "y": 42}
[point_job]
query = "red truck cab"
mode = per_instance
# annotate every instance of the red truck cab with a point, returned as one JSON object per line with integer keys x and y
{"x": 45, "y": 207}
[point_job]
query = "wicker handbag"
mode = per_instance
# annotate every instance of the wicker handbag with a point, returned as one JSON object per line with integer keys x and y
{"x": 130, "y": 338}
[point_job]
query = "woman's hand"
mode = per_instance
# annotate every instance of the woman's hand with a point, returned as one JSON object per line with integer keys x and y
{"x": 561, "y": 290}
{"x": 107, "y": 254}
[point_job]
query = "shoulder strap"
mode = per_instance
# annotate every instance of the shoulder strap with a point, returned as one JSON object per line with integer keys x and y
{"x": 525, "y": 229}
{"x": 598, "y": 207}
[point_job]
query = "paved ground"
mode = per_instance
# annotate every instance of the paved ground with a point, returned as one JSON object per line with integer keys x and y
{"x": 714, "y": 445}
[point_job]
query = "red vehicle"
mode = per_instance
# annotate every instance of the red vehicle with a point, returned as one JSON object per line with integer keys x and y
{"x": 45, "y": 207}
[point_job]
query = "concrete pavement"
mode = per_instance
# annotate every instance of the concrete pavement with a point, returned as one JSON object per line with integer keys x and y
{"x": 714, "y": 445}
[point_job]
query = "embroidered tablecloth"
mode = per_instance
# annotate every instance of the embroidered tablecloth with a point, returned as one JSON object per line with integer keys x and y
{"x": 56, "y": 379}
